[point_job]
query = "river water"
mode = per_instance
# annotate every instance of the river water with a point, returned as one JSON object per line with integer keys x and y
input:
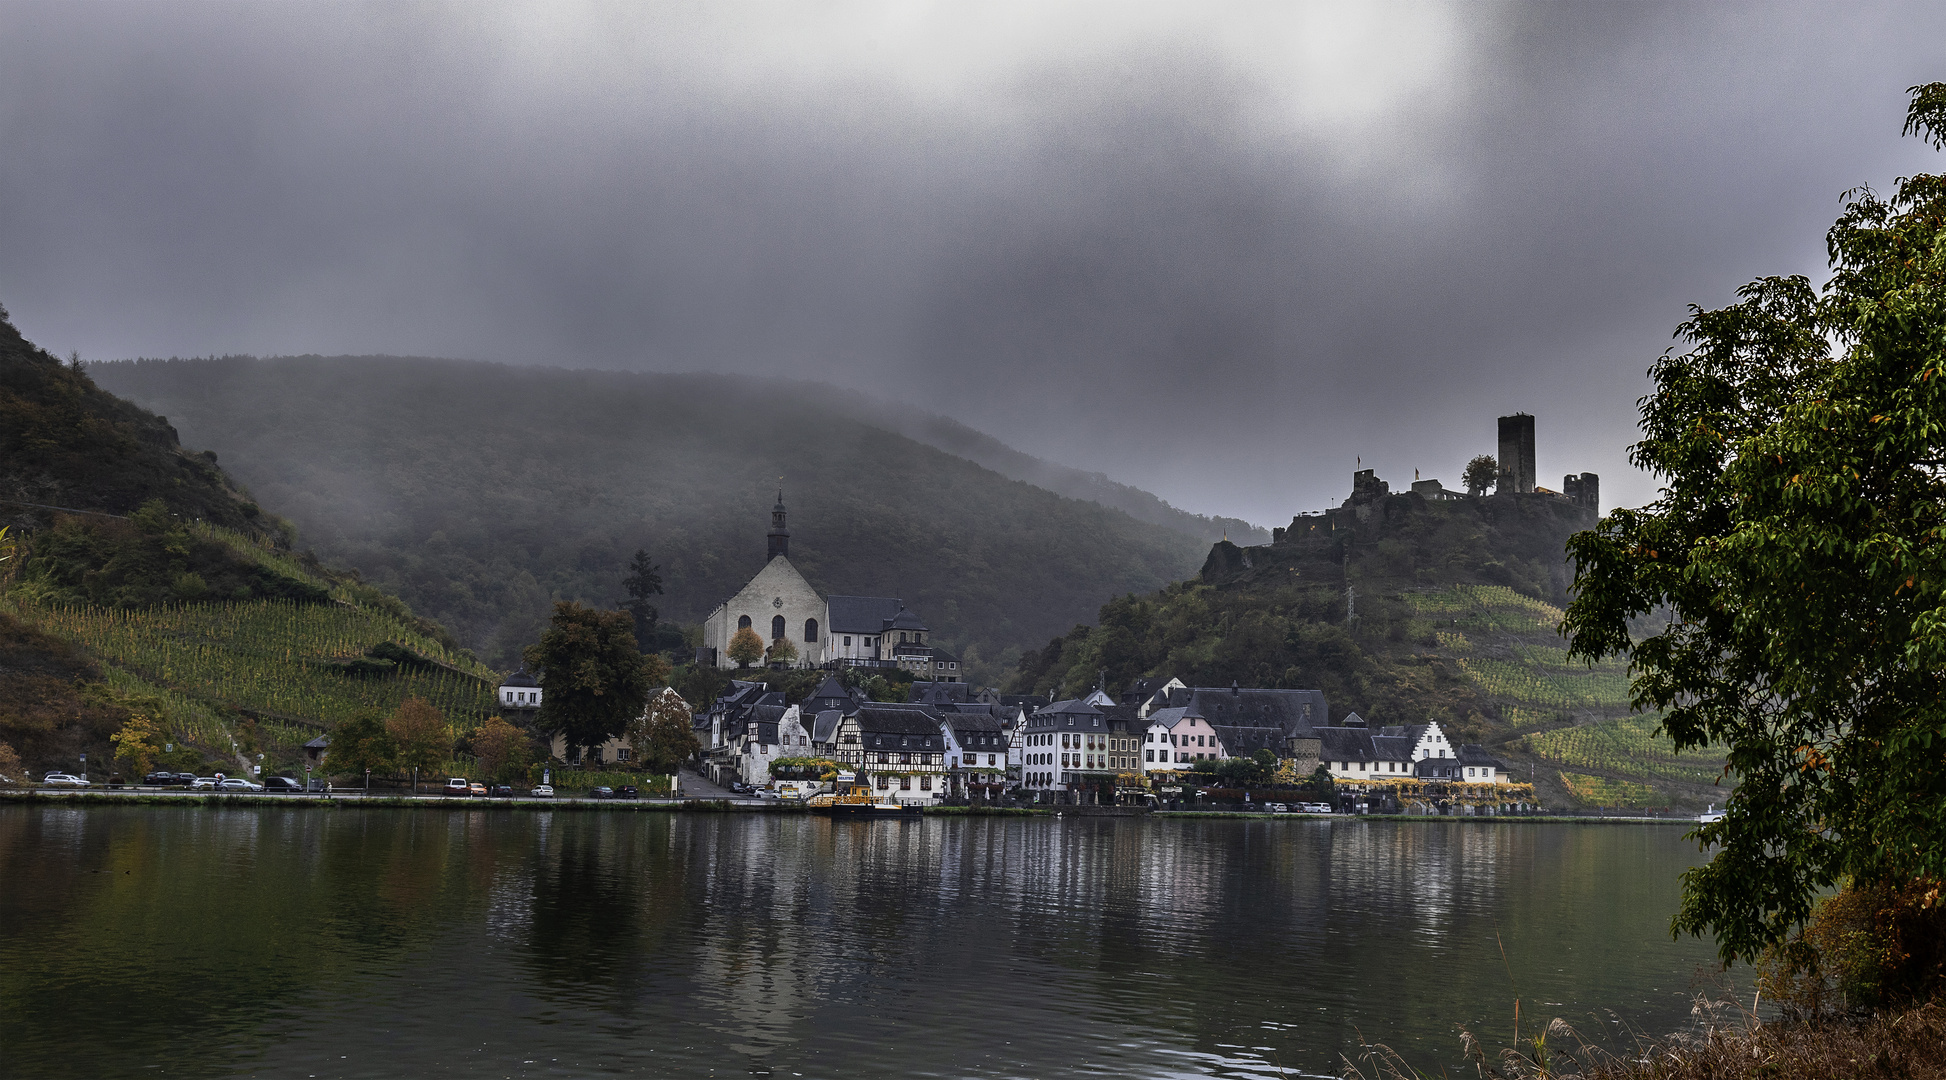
{"x": 342, "y": 942}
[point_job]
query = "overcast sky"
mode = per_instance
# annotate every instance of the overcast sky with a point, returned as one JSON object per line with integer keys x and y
{"x": 1217, "y": 251}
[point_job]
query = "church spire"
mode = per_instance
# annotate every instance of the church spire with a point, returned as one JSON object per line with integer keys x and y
{"x": 780, "y": 537}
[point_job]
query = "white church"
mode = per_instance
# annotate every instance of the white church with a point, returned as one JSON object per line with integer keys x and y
{"x": 858, "y": 631}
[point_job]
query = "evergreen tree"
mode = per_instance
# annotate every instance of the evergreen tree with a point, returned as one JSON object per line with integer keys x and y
{"x": 643, "y": 581}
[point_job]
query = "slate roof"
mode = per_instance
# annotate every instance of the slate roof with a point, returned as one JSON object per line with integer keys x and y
{"x": 1174, "y": 715}
{"x": 824, "y": 726}
{"x": 320, "y": 743}
{"x": 905, "y": 619}
{"x": 1030, "y": 702}
{"x": 521, "y": 679}
{"x": 1245, "y": 741}
{"x": 1475, "y": 754}
{"x": 1240, "y": 707}
{"x": 766, "y": 717}
{"x": 897, "y": 719}
{"x": 1345, "y": 744}
{"x": 1392, "y": 747}
{"x": 1438, "y": 768}
{"x": 830, "y": 694}
{"x": 861, "y": 614}
{"x": 939, "y": 693}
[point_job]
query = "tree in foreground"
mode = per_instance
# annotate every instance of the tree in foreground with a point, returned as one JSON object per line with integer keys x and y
{"x": 782, "y": 652}
{"x": 504, "y": 751}
{"x": 1793, "y": 572}
{"x": 1480, "y": 474}
{"x": 746, "y": 647}
{"x": 421, "y": 741}
{"x": 663, "y": 736}
{"x": 593, "y": 681}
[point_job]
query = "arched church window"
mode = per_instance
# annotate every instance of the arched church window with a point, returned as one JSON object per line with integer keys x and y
{"x": 810, "y": 630}
{"x": 743, "y": 622}
{"x": 776, "y": 627}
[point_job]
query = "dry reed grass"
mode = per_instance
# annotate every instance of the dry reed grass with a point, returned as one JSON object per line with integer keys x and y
{"x": 1728, "y": 1043}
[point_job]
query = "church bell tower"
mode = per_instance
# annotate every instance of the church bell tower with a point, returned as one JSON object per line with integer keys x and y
{"x": 780, "y": 537}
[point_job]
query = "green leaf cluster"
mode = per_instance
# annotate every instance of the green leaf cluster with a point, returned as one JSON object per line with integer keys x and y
{"x": 1796, "y": 563}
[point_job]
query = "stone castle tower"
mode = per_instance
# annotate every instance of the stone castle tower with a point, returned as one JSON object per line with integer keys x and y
{"x": 1517, "y": 472}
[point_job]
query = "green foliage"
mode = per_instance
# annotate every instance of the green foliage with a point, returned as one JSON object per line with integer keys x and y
{"x": 663, "y": 736}
{"x": 593, "y": 681}
{"x": 64, "y": 442}
{"x": 381, "y": 463}
{"x": 362, "y": 743}
{"x": 1630, "y": 745}
{"x": 1481, "y": 473}
{"x": 643, "y": 581}
{"x": 1796, "y": 549}
{"x": 273, "y": 658}
{"x": 148, "y": 560}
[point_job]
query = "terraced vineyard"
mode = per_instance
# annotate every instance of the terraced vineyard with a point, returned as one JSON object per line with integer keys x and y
{"x": 275, "y": 662}
{"x": 1574, "y": 718}
{"x": 1606, "y": 791}
{"x": 1628, "y": 745}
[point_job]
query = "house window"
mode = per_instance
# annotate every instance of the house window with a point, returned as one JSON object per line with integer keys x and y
{"x": 901, "y": 637}
{"x": 776, "y": 628}
{"x": 905, "y": 783}
{"x": 810, "y": 630}
{"x": 743, "y": 622}
{"x": 1149, "y": 754}
{"x": 847, "y": 641}
{"x": 621, "y": 753}
{"x": 882, "y": 781}
{"x": 925, "y": 783}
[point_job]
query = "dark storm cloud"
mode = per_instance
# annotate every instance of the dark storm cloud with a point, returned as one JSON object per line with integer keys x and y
{"x": 1218, "y": 256}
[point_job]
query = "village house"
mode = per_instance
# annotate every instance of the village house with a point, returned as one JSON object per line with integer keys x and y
{"x": 898, "y": 749}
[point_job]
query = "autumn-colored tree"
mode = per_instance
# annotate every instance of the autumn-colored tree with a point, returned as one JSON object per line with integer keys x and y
{"x": 746, "y": 647}
{"x": 783, "y": 652}
{"x": 593, "y": 678}
{"x": 420, "y": 738}
{"x": 655, "y": 670}
{"x": 662, "y": 737}
{"x": 138, "y": 742}
{"x": 11, "y": 770}
{"x": 503, "y": 749}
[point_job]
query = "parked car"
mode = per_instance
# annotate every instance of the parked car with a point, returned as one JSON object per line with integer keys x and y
{"x": 477, "y": 790}
{"x": 503, "y": 792}
{"x": 458, "y": 786}
{"x": 205, "y": 783}
{"x": 61, "y": 779}
{"x": 168, "y": 779}
{"x": 1314, "y": 808}
{"x": 1277, "y": 808}
{"x": 767, "y": 793}
{"x": 545, "y": 791}
{"x": 238, "y": 783}
{"x": 283, "y": 784}
{"x": 602, "y": 793}
{"x": 319, "y": 784}
{"x": 738, "y": 787}
{"x": 627, "y": 791}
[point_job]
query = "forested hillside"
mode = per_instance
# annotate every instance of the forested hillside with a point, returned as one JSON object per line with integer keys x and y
{"x": 148, "y": 589}
{"x": 1421, "y": 610}
{"x": 479, "y": 493}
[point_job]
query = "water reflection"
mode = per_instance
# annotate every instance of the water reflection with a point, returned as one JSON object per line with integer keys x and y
{"x": 346, "y": 942}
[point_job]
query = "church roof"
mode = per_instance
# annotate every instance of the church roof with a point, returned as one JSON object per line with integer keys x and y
{"x": 861, "y": 614}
